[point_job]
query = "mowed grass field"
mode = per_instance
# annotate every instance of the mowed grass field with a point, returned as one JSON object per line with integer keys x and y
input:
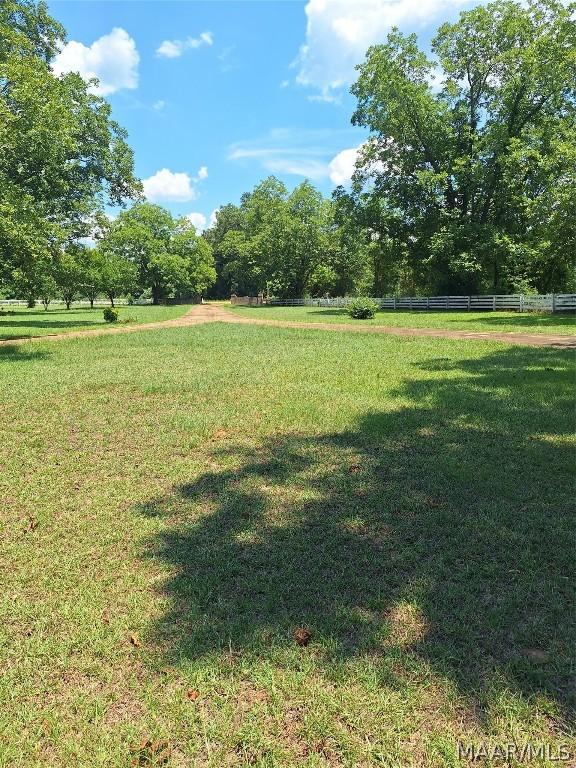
{"x": 21, "y": 322}
{"x": 177, "y": 503}
{"x": 525, "y": 322}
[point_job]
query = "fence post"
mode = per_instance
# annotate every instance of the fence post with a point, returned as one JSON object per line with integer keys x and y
{"x": 394, "y": 302}
{"x": 427, "y": 302}
{"x": 553, "y": 302}
{"x": 521, "y": 302}
{"x": 447, "y": 302}
{"x": 468, "y": 303}
{"x": 493, "y": 303}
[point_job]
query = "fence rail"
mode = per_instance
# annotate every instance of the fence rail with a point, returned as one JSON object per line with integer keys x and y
{"x": 82, "y": 302}
{"x": 552, "y": 302}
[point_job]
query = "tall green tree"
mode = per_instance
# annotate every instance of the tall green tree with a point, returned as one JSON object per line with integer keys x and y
{"x": 141, "y": 236}
{"x": 170, "y": 259}
{"x": 284, "y": 242}
{"x": 62, "y": 156}
{"x": 197, "y": 258}
{"x": 229, "y": 218}
{"x": 69, "y": 272}
{"x": 117, "y": 275}
{"x": 477, "y": 174}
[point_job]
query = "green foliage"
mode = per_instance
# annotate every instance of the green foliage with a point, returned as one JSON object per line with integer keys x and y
{"x": 110, "y": 314}
{"x": 229, "y": 218}
{"x": 472, "y": 187}
{"x": 61, "y": 154}
{"x": 362, "y": 308}
{"x": 68, "y": 272}
{"x": 278, "y": 242}
{"x": 117, "y": 275}
{"x": 165, "y": 254}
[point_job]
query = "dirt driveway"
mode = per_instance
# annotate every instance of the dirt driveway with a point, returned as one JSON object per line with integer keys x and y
{"x": 210, "y": 313}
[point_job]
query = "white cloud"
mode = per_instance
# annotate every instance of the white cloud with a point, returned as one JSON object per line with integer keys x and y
{"x": 177, "y": 187}
{"x": 312, "y": 154}
{"x": 213, "y": 217}
{"x": 343, "y": 166}
{"x": 339, "y": 32}
{"x": 169, "y": 49}
{"x": 205, "y": 38}
{"x": 112, "y": 59}
{"x": 172, "y": 49}
{"x": 296, "y": 161}
{"x": 159, "y": 105}
{"x": 166, "y": 185}
{"x": 198, "y": 220}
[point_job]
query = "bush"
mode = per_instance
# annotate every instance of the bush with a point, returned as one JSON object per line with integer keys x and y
{"x": 111, "y": 315}
{"x": 362, "y": 308}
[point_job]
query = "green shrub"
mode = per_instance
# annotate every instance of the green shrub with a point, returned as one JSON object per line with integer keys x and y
{"x": 362, "y": 308}
{"x": 111, "y": 315}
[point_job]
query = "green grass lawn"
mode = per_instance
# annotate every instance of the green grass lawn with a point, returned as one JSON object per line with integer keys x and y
{"x": 176, "y": 503}
{"x": 21, "y": 322}
{"x": 529, "y": 322}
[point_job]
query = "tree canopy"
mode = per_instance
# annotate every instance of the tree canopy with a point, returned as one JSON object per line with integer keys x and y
{"x": 168, "y": 257}
{"x": 465, "y": 184}
{"x": 276, "y": 241}
{"x": 469, "y": 172}
{"x": 62, "y": 156}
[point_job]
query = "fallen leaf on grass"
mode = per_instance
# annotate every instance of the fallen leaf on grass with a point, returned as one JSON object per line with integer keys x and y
{"x": 355, "y": 468}
{"x": 302, "y": 636}
{"x": 151, "y": 753}
{"x": 192, "y": 694}
{"x": 32, "y": 525}
{"x": 135, "y": 640}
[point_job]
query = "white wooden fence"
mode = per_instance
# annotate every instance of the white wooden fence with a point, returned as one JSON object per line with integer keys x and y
{"x": 81, "y": 303}
{"x": 552, "y": 302}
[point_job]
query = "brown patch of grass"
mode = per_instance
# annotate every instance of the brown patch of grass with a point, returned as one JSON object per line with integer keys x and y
{"x": 407, "y": 625}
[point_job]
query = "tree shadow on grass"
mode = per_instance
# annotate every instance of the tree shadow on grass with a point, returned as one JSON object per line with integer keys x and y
{"x": 47, "y": 323}
{"x": 18, "y": 353}
{"x": 441, "y": 532}
{"x": 526, "y": 320}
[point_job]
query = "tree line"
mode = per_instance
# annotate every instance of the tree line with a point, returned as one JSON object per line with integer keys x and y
{"x": 63, "y": 160}
{"x": 466, "y": 183}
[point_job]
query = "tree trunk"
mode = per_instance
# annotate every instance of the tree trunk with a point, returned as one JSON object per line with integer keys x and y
{"x": 111, "y": 297}
{"x": 91, "y": 302}
{"x": 68, "y": 302}
{"x": 155, "y": 294}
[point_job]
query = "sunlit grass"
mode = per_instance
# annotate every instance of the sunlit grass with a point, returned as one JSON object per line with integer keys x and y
{"x": 176, "y": 503}
{"x": 527, "y": 322}
{"x": 21, "y": 322}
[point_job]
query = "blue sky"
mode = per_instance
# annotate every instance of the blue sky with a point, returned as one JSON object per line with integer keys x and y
{"x": 217, "y": 95}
